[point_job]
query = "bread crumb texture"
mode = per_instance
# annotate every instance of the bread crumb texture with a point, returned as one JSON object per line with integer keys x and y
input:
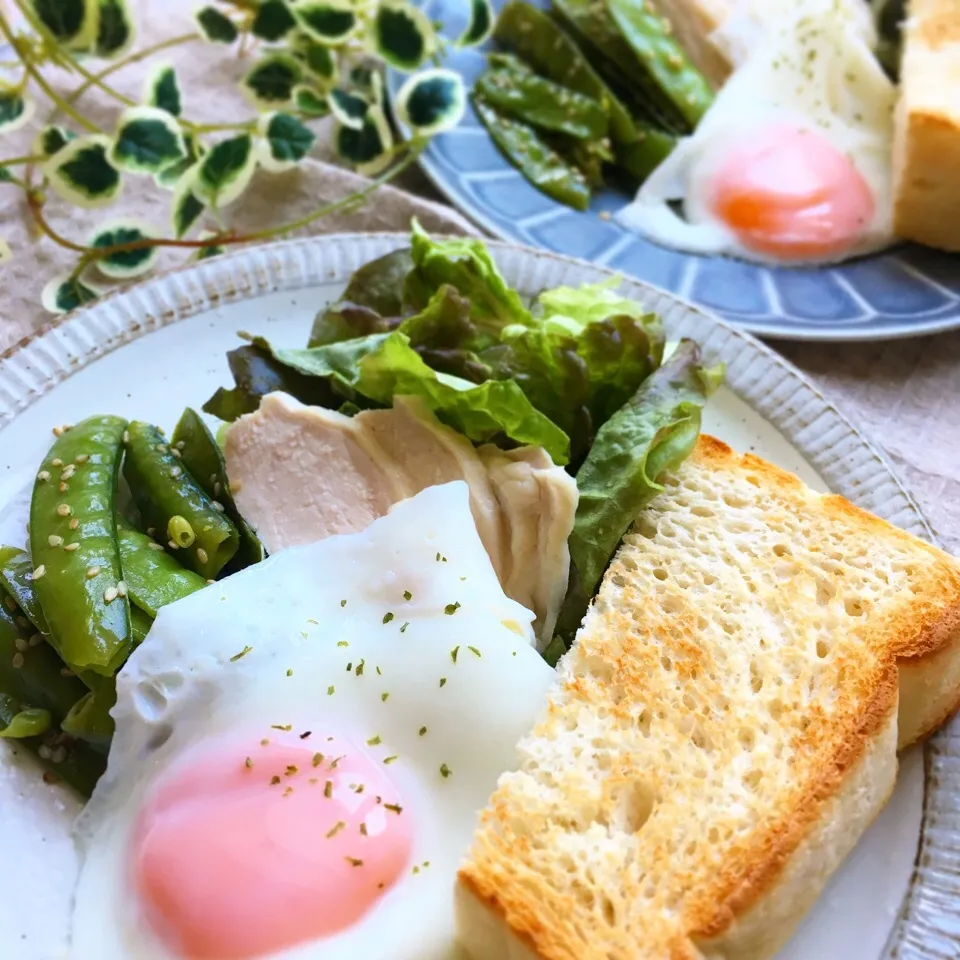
{"x": 723, "y": 730}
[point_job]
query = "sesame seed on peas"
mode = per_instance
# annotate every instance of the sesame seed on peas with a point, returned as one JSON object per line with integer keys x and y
{"x": 110, "y": 594}
{"x": 74, "y": 523}
{"x": 92, "y": 572}
{"x": 64, "y": 509}
{"x": 39, "y": 572}
{"x": 54, "y": 541}
{"x": 70, "y": 547}
{"x": 56, "y": 462}
{"x": 43, "y": 476}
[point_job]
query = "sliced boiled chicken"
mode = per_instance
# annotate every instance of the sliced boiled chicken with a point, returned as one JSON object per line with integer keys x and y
{"x": 301, "y": 474}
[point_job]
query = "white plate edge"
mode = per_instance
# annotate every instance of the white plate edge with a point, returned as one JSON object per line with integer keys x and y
{"x": 779, "y": 392}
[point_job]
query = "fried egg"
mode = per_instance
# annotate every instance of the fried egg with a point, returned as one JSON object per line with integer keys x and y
{"x": 792, "y": 163}
{"x": 301, "y": 750}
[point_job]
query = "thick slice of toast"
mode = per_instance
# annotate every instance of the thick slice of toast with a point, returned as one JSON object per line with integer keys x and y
{"x": 927, "y": 127}
{"x": 723, "y": 730}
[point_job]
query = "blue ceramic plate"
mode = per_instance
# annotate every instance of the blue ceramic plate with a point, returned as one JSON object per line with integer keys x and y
{"x": 904, "y": 292}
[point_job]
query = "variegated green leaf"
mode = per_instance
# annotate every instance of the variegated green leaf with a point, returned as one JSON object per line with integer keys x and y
{"x": 185, "y": 206}
{"x": 16, "y": 108}
{"x": 161, "y": 89}
{"x": 148, "y": 140}
{"x": 402, "y": 34}
{"x": 115, "y": 32}
{"x": 286, "y": 141}
{"x": 82, "y": 174}
{"x": 348, "y": 108}
{"x": 215, "y": 26}
{"x": 125, "y": 264}
{"x": 432, "y": 101}
{"x": 171, "y": 176}
{"x": 271, "y": 81}
{"x": 317, "y": 59}
{"x": 273, "y": 21}
{"x": 51, "y": 140}
{"x": 71, "y": 22}
{"x": 225, "y": 171}
{"x": 205, "y": 253}
{"x": 6, "y": 254}
{"x": 480, "y": 25}
{"x": 368, "y": 148}
{"x": 329, "y": 21}
{"x": 65, "y": 293}
{"x": 30, "y": 722}
{"x": 309, "y": 102}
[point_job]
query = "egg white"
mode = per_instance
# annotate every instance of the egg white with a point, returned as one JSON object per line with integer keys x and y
{"x": 814, "y": 70}
{"x": 181, "y": 687}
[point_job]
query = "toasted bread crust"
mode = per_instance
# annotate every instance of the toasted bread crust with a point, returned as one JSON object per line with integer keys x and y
{"x": 901, "y": 648}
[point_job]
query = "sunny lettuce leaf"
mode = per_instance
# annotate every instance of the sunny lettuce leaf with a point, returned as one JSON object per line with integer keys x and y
{"x": 466, "y": 265}
{"x": 651, "y": 435}
{"x": 383, "y": 366}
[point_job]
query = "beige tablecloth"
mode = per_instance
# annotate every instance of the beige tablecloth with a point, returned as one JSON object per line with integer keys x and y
{"x": 904, "y": 394}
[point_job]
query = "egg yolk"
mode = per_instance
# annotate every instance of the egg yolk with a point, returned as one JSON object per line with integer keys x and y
{"x": 792, "y": 194}
{"x": 250, "y": 847}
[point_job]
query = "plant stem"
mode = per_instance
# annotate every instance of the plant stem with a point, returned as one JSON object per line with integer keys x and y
{"x": 41, "y": 82}
{"x": 126, "y": 61}
{"x": 92, "y": 254}
{"x": 16, "y": 161}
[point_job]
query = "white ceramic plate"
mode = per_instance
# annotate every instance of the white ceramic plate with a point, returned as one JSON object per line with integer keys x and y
{"x": 159, "y": 346}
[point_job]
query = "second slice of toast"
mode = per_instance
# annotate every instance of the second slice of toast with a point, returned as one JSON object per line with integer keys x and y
{"x": 722, "y": 732}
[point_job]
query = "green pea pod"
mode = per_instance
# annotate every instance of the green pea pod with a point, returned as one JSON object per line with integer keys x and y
{"x": 164, "y": 491}
{"x": 73, "y": 544}
{"x": 513, "y": 89}
{"x": 652, "y": 41}
{"x": 588, "y": 156}
{"x": 153, "y": 577}
{"x": 538, "y": 163}
{"x": 30, "y": 722}
{"x": 16, "y": 577}
{"x": 640, "y": 158}
{"x": 601, "y": 40}
{"x": 63, "y": 758}
{"x": 33, "y": 673}
{"x": 203, "y": 457}
{"x": 140, "y": 623}
{"x": 89, "y": 719}
{"x": 539, "y": 40}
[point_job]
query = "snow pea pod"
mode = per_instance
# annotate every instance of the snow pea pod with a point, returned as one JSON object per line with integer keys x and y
{"x": 32, "y": 672}
{"x": 173, "y": 503}
{"x": 73, "y": 544}
{"x": 16, "y": 577}
{"x": 640, "y": 158}
{"x": 539, "y": 40}
{"x": 543, "y": 167}
{"x": 153, "y": 577}
{"x": 513, "y": 89}
{"x": 650, "y": 37}
{"x": 614, "y": 58}
{"x": 203, "y": 457}
{"x": 63, "y": 758}
{"x": 89, "y": 718}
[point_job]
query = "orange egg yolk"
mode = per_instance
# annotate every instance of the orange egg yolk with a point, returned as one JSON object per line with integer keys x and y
{"x": 247, "y": 848}
{"x": 790, "y": 193}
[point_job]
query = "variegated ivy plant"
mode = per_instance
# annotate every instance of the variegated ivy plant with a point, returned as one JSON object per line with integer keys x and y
{"x": 309, "y": 59}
